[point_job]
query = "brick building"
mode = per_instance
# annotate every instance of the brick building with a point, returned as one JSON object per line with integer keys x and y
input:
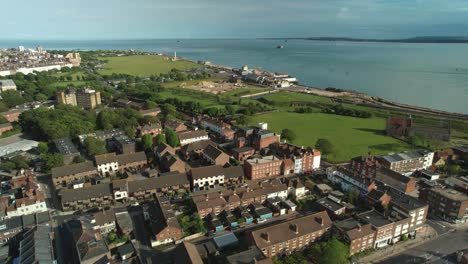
{"x": 99, "y": 195}
{"x": 284, "y": 238}
{"x": 446, "y": 203}
{"x": 66, "y": 175}
{"x": 262, "y": 167}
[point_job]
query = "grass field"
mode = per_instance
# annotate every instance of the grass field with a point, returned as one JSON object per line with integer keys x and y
{"x": 143, "y": 65}
{"x": 351, "y": 136}
{"x": 288, "y": 97}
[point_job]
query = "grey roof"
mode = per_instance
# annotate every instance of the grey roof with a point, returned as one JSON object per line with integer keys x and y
{"x": 126, "y": 249}
{"x": 225, "y": 240}
{"x": 124, "y": 139}
{"x": 174, "y": 179}
{"x": 131, "y": 157}
{"x": 124, "y": 221}
{"x": 374, "y": 218}
{"x": 94, "y": 191}
{"x": 86, "y": 166}
{"x": 216, "y": 170}
{"x": 263, "y": 211}
{"x": 242, "y": 149}
{"x": 213, "y": 152}
{"x": 5, "y": 125}
{"x": 36, "y": 246}
{"x": 7, "y": 82}
{"x": 11, "y": 223}
{"x": 330, "y": 204}
{"x": 404, "y": 201}
{"x": 65, "y": 146}
{"x": 191, "y": 134}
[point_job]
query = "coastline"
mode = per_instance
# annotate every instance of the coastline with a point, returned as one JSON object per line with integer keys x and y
{"x": 360, "y": 98}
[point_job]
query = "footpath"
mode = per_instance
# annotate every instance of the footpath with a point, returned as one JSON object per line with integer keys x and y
{"x": 426, "y": 234}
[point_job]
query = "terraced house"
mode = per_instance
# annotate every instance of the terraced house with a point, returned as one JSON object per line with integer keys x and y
{"x": 204, "y": 178}
{"x": 99, "y": 195}
{"x": 66, "y": 175}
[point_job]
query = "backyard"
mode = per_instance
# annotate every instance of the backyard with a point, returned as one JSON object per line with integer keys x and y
{"x": 351, "y": 136}
{"x": 143, "y": 65}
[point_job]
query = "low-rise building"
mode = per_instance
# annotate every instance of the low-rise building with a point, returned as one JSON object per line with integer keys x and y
{"x": 215, "y": 156}
{"x": 164, "y": 224}
{"x": 332, "y": 207}
{"x": 305, "y": 159}
{"x": 296, "y": 234}
{"x": 204, "y": 178}
{"x": 187, "y": 137}
{"x": 36, "y": 246}
{"x": 147, "y": 189}
{"x": 12, "y": 115}
{"x": 66, "y": 175}
{"x": 243, "y": 153}
{"x": 446, "y": 203}
{"x": 171, "y": 163}
{"x": 152, "y": 129}
{"x": 124, "y": 144}
{"x": 175, "y": 125}
{"x": 99, "y": 195}
{"x": 264, "y": 138}
{"x": 359, "y": 236}
{"x": 66, "y": 147}
{"x": 135, "y": 161}
{"x": 349, "y": 180}
{"x": 102, "y": 135}
{"x": 151, "y": 112}
{"x": 7, "y": 85}
{"x": 407, "y": 162}
{"x": 262, "y": 167}
{"x": 161, "y": 149}
{"x": 103, "y": 221}
{"x": 107, "y": 163}
{"x": 396, "y": 180}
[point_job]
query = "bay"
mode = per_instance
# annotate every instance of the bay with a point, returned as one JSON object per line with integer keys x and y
{"x": 428, "y": 75}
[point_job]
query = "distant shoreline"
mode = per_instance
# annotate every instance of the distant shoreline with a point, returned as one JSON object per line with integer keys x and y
{"x": 444, "y": 40}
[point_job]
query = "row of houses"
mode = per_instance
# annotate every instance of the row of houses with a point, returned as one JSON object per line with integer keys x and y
{"x": 77, "y": 175}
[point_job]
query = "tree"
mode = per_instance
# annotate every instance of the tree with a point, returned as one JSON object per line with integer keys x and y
{"x": 160, "y": 138}
{"x": 288, "y": 134}
{"x": 353, "y": 196}
{"x": 230, "y": 110}
{"x": 171, "y": 137}
{"x": 20, "y": 162}
{"x": 12, "y": 98}
{"x": 243, "y": 119}
{"x": 325, "y": 146}
{"x": 42, "y": 147}
{"x": 94, "y": 146}
{"x": 147, "y": 141}
{"x": 52, "y": 160}
{"x": 41, "y": 97}
{"x": 78, "y": 159}
{"x": 7, "y": 166}
{"x": 334, "y": 252}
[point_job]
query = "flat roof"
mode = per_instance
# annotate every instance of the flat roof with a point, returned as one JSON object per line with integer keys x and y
{"x": 65, "y": 146}
{"x": 374, "y": 218}
{"x": 330, "y": 204}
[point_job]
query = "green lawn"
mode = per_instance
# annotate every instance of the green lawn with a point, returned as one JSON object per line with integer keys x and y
{"x": 351, "y": 136}
{"x": 288, "y": 97}
{"x": 143, "y": 65}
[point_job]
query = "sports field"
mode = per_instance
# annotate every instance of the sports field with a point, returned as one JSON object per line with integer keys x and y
{"x": 351, "y": 136}
{"x": 143, "y": 65}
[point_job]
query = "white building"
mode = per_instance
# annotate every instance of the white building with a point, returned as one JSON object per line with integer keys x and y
{"x": 187, "y": 137}
{"x": 6, "y": 85}
{"x": 28, "y": 205}
{"x": 107, "y": 163}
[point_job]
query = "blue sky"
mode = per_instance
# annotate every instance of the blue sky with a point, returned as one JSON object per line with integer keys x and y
{"x": 105, "y": 19}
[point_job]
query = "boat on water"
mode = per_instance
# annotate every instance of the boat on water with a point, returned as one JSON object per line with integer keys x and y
{"x": 280, "y": 47}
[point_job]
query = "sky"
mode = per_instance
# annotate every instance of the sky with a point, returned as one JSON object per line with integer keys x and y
{"x": 158, "y": 19}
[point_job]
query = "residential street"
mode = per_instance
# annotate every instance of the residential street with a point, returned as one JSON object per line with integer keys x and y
{"x": 439, "y": 250}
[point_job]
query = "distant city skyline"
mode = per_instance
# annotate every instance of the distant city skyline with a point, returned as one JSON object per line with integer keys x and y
{"x": 147, "y": 19}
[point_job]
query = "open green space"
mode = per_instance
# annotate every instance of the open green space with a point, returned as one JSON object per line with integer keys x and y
{"x": 351, "y": 136}
{"x": 143, "y": 65}
{"x": 247, "y": 90}
{"x": 288, "y": 97}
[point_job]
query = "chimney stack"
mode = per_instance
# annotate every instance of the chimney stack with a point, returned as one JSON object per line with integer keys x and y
{"x": 266, "y": 236}
{"x": 359, "y": 227}
{"x": 295, "y": 228}
{"x": 320, "y": 220}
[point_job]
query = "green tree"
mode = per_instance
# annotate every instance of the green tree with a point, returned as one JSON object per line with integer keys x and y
{"x": 334, "y": 252}
{"x": 12, "y": 98}
{"x": 288, "y": 135}
{"x": 160, "y": 138}
{"x": 41, "y": 97}
{"x": 52, "y": 160}
{"x": 147, "y": 141}
{"x": 230, "y": 110}
{"x": 94, "y": 146}
{"x": 78, "y": 159}
{"x": 243, "y": 119}
{"x": 171, "y": 137}
{"x": 7, "y": 166}
{"x": 20, "y": 162}
{"x": 325, "y": 146}
{"x": 353, "y": 196}
{"x": 42, "y": 147}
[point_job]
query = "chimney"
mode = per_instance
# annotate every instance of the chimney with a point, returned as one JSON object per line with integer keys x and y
{"x": 295, "y": 228}
{"x": 320, "y": 220}
{"x": 267, "y": 236}
{"x": 359, "y": 227}
{"x": 206, "y": 197}
{"x": 256, "y": 160}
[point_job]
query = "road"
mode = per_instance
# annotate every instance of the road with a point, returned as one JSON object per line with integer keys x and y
{"x": 439, "y": 250}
